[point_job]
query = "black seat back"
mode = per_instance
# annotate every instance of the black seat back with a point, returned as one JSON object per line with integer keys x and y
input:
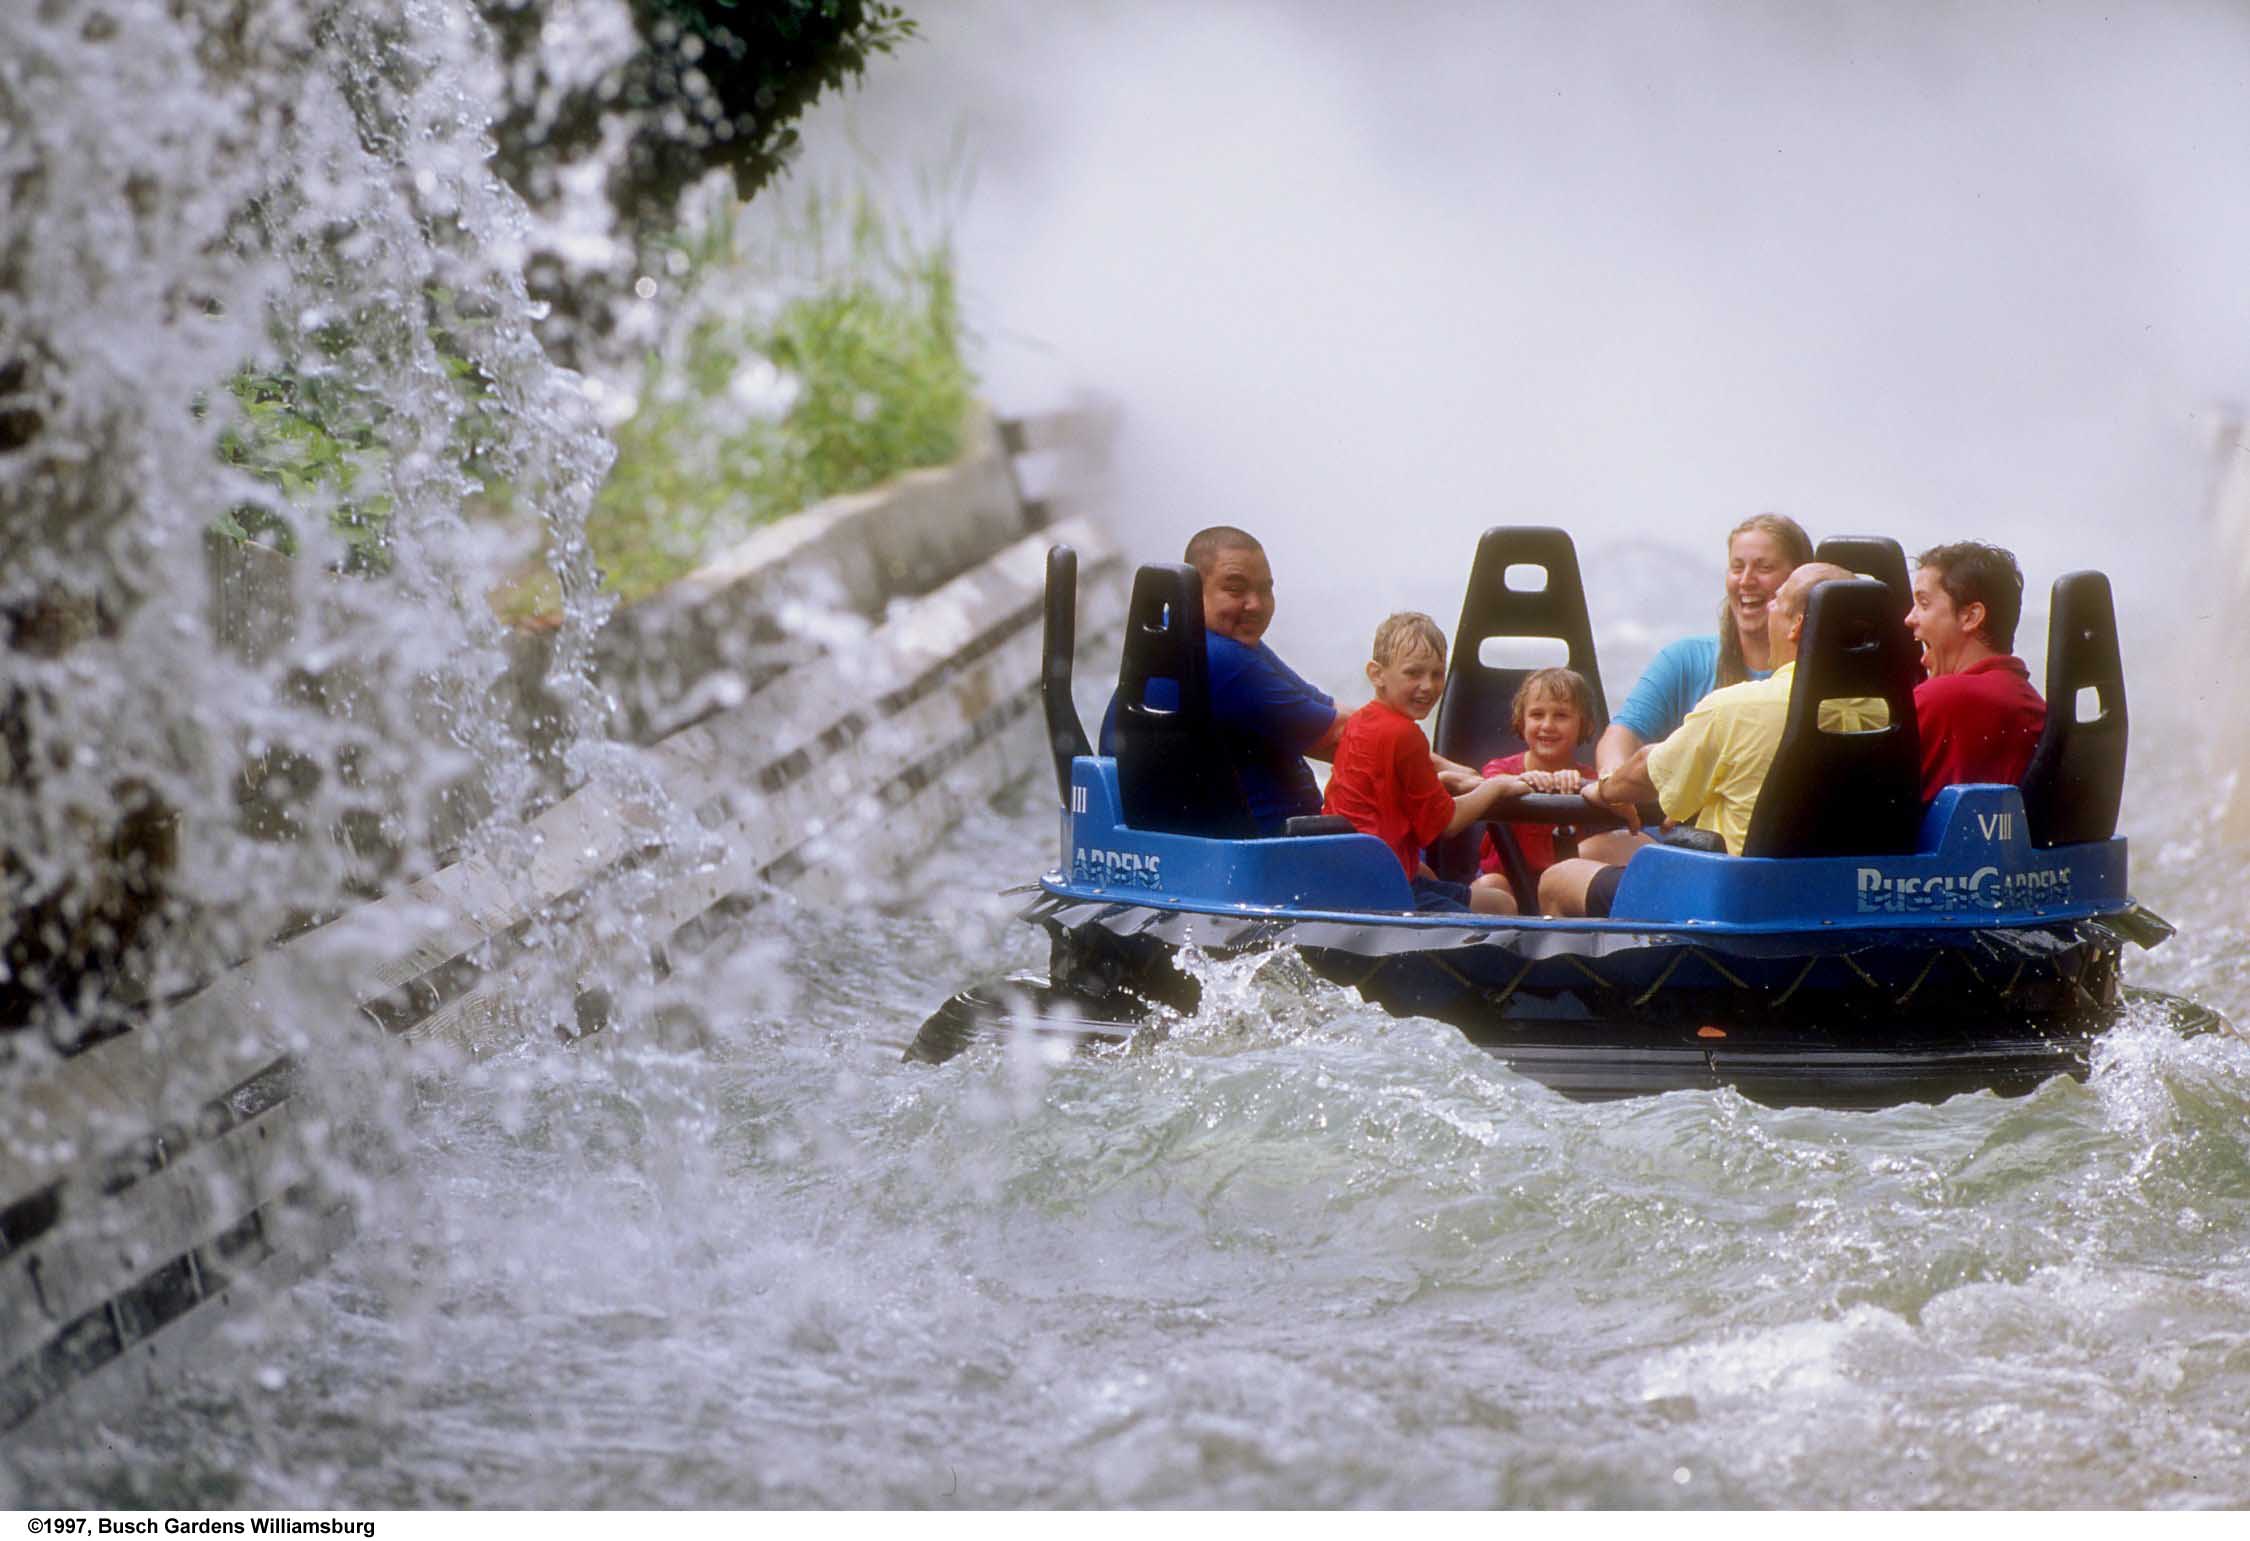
{"x": 1172, "y": 771}
{"x": 1845, "y": 794}
{"x": 1066, "y": 735}
{"x": 1872, "y": 556}
{"x": 1472, "y": 714}
{"x": 1473, "y": 723}
{"x": 2077, "y": 774}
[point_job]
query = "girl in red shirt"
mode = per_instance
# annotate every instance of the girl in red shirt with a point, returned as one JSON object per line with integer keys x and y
{"x": 1553, "y": 714}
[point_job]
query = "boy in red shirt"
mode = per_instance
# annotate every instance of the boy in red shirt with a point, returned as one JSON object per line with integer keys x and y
{"x": 1553, "y": 713}
{"x": 1385, "y": 783}
{"x": 1979, "y": 718}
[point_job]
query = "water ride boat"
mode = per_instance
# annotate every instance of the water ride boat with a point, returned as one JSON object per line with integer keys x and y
{"x": 1863, "y": 951}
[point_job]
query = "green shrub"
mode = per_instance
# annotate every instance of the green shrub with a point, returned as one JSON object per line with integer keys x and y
{"x": 310, "y": 430}
{"x": 313, "y": 439}
{"x": 794, "y": 370}
{"x": 780, "y": 386}
{"x": 714, "y": 85}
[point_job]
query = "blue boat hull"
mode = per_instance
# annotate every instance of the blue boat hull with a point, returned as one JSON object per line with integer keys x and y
{"x": 1978, "y": 962}
{"x": 1915, "y": 1018}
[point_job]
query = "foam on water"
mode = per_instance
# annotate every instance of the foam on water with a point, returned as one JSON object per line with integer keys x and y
{"x": 1287, "y": 1250}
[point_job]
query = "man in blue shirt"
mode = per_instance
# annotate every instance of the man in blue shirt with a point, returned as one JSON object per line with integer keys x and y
{"x": 1268, "y": 715}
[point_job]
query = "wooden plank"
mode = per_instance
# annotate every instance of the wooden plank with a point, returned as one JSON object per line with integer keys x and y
{"x": 716, "y": 759}
{"x": 1062, "y": 460}
{"x": 839, "y": 864}
{"x": 853, "y": 554}
{"x": 589, "y": 832}
{"x": 833, "y": 839}
{"x": 103, "y": 1243}
{"x": 935, "y": 710}
{"x": 78, "y": 1108}
{"x": 832, "y": 809}
{"x": 910, "y": 532}
{"x": 296, "y": 1246}
{"x": 844, "y": 868}
{"x": 86, "y": 1107}
{"x": 889, "y": 833}
{"x": 907, "y": 536}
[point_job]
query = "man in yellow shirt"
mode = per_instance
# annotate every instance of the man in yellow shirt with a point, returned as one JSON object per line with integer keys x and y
{"x": 1710, "y": 769}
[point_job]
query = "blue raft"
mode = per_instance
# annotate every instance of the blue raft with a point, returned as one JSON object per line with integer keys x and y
{"x": 1864, "y": 951}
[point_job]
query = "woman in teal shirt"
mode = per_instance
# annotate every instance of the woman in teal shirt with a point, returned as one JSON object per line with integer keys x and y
{"x": 1762, "y": 551}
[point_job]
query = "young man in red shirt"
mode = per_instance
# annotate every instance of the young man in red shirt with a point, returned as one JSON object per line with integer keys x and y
{"x": 1385, "y": 781}
{"x": 1979, "y": 717}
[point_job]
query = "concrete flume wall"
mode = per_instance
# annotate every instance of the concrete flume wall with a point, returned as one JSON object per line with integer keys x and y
{"x": 165, "y": 1181}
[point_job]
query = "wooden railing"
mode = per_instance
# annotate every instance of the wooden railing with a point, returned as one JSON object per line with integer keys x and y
{"x": 165, "y": 1180}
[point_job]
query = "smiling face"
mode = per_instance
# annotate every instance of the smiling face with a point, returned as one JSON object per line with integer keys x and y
{"x": 1948, "y": 635}
{"x": 1410, "y": 682}
{"x": 1552, "y": 730}
{"x": 1756, "y": 567}
{"x": 1238, "y": 594}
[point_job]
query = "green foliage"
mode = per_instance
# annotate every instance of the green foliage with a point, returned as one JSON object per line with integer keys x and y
{"x": 758, "y": 409}
{"x": 314, "y": 439}
{"x": 764, "y": 62}
{"x": 319, "y": 439}
{"x": 717, "y": 85}
{"x": 818, "y": 366}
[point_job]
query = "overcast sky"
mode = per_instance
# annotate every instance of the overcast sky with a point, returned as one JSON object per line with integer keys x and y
{"x": 1367, "y": 279}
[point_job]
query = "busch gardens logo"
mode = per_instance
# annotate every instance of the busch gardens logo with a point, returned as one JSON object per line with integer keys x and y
{"x": 1983, "y": 889}
{"x": 1095, "y": 867}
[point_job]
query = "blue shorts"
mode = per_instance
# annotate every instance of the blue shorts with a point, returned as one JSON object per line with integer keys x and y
{"x": 1601, "y": 893}
{"x": 1435, "y": 896}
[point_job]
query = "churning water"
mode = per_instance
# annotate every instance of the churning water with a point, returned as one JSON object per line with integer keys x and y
{"x": 733, "y": 1251}
{"x": 1295, "y": 1253}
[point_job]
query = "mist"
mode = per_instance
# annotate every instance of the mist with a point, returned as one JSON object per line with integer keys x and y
{"x": 1369, "y": 280}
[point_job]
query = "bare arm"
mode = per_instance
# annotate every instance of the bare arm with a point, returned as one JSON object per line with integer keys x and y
{"x": 1618, "y": 744}
{"x": 1324, "y": 747}
{"x": 1472, "y": 806}
{"x": 1624, "y": 789}
{"x": 1454, "y": 776}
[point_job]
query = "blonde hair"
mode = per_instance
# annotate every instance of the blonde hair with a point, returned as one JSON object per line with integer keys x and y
{"x": 1796, "y": 545}
{"x": 1563, "y": 684}
{"x": 1399, "y": 631}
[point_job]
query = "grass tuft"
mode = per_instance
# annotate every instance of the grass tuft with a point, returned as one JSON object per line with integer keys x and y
{"x": 821, "y": 364}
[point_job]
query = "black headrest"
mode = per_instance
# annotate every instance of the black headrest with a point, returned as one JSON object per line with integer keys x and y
{"x": 1472, "y": 714}
{"x": 1058, "y": 645}
{"x": 1873, "y": 556}
{"x": 1172, "y": 771}
{"x": 1845, "y": 794}
{"x": 2077, "y": 774}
